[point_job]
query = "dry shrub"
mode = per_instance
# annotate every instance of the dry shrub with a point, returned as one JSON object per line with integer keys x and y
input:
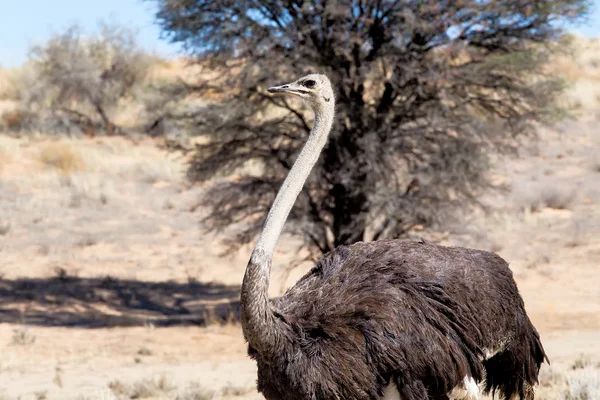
{"x": 545, "y": 194}
{"x": 20, "y": 120}
{"x": 12, "y": 120}
{"x": 82, "y": 79}
{"x": 9, "y": 88}
{"x": 62, "y": 156}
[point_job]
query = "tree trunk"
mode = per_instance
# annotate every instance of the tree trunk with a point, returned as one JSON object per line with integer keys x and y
{"x": 349, "y": 218}
{"x": 345, "y": 163}
{"x": 109, "y": 127}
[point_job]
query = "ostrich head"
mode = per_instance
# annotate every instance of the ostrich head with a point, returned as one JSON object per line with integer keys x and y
{"x": 314, "y": 89}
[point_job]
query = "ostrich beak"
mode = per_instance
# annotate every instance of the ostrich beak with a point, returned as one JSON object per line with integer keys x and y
{"x": 290, "y": 88}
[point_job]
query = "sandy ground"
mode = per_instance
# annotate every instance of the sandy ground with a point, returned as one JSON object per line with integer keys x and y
{"x": 106, "y": 278}
{"x": 104, "y": 268}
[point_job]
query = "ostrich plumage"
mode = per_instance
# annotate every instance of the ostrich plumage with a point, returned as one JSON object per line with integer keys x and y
{"x": 372, "y": 320}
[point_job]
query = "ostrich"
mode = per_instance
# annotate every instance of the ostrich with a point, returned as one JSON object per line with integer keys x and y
{"x": 391, "y": 319}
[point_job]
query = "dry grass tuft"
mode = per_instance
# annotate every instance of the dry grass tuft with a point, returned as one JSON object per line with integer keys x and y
{"x": 161, "y": 388}
{"x": 557, "y": 197}
{"x": 551, "y": 377}
{"x": 41, "y": 395}
{"x": 63, "y": 156}
{"x": 581, "y": 362}
{"x": 233, "y": 390}
{"x": 4, "y": 227}
{"x": 196, "y": 392}
{"x": 147, "y": 388}
{"x": 596, "y": 165}
{"x": 144, "y": 351}
{"x": 583, "y": 384}
{"x": 213, "y": 317}
{"x": 22, "y": 337}
{"x": 9, "y": 147}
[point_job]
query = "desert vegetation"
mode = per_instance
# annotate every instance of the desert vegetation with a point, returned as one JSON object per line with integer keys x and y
{"x": 118, "y": 277}
{"x": 89, "y": 84}
{"x": 426, "y": 92}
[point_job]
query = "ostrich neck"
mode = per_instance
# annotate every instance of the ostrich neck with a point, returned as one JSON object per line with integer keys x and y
{"x": 291, "y": 187}
{"x": 261, "y": 327}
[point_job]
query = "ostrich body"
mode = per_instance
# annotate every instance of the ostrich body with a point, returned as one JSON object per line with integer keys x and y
{"x": 391, "y": 319}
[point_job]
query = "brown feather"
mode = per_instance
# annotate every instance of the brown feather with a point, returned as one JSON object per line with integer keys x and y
{"x": 414, "y": 313}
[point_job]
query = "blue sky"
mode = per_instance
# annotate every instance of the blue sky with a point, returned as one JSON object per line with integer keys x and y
{"x": 24, "y": 23}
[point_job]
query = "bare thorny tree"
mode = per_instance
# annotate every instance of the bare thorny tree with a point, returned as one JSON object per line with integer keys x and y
{"x": 426, "y": 89}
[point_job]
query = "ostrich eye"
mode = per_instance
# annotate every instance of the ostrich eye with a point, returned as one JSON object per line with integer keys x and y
{"x": 309, "y": 83}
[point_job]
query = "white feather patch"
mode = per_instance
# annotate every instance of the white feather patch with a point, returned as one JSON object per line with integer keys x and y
{"x": 391, "y": 392}
{"x": 469, "y": 390}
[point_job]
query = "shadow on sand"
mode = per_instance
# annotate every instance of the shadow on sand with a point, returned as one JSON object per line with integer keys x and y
{"x": 97, "y": 303}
